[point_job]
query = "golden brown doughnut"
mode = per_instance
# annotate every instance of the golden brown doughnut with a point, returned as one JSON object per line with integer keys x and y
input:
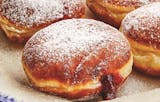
{"x": 78, "y": 58}
{"x": 113, "y": 11}
{"x": 142, "y": 28}
{"x": 20, "y": 19}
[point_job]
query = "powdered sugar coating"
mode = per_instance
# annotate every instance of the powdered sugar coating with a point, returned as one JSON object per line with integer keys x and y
{"x": 69, "y": 38}
{"x": 132, "y": 3}
{"x": 143, "y": 24}
{"x": 31, "y": 13}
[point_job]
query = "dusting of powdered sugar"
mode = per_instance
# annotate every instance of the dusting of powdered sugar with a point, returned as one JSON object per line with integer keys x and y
{"x": 146, "y": 18}
{"x": 142, "y": 18}
{"x": 35, "y": 12}
{"x": 69, "y": 38}
{"x": 132, "y": 3}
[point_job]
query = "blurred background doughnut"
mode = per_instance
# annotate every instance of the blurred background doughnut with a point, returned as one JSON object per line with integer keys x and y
{"x": 113, "y": 11}
{"x": 20, "y": 19}
{"x": 142, "y": 28}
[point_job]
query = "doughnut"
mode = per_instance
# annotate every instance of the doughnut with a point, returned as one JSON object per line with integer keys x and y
{"x": 78, "y": 59}
{"x": 142, "y": 29}
{"x": 113, "y": 11}
{"x": 20, "y": 19}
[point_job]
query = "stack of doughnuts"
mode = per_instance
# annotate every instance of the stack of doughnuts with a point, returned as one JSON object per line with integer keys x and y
{"x": 20, "y": 19}
{"x": 113, "y": 11}
{"x": 78, "y": 59}
{"x": 142, "y": 28}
